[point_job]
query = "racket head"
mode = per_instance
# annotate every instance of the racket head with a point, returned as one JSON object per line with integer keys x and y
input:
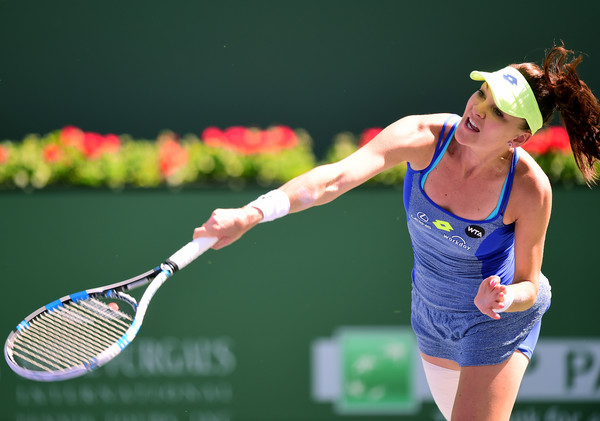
{"x": 66, "y": 338}
{"x": 80, "y": 332}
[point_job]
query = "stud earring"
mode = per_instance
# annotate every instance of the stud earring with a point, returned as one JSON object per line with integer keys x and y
{"x": 510, "y": 144}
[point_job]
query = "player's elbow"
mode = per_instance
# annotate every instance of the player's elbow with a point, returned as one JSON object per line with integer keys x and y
{"x": 526, "y": 296}
{"x": 529, "y": 301}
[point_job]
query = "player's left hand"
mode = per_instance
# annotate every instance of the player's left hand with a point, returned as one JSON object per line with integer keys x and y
{"x": 490, "y": 296}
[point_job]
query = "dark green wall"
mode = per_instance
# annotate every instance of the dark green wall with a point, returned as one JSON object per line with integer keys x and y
{"x": 139, "y": 67}
{"x": 250, "y": 311}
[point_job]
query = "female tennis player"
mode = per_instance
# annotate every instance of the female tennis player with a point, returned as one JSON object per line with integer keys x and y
{"x": 478, "y": 208}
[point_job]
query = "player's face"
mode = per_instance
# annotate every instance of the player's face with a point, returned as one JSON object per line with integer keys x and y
{"x": 485, "y": 125}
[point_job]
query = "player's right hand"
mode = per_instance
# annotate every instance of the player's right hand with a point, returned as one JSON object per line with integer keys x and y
{"x": 228, "y": 225}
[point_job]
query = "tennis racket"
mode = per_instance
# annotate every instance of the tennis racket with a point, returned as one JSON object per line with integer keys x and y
{"x": 80, "y": 332}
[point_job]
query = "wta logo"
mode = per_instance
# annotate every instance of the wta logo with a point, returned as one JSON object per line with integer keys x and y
{"x": 474, "y": 231}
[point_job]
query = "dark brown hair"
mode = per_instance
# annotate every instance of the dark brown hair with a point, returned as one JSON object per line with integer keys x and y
{"x": 557, "y": 87}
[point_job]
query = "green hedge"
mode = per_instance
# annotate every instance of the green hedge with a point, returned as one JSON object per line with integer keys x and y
{"x": 233, "y": 157}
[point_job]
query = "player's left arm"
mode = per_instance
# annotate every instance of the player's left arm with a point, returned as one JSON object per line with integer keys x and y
{"x": 532, "y": 201}
{"x": 529, "y": 208}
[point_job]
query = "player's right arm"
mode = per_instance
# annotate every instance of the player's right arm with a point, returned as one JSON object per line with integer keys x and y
{"x": 410, "y": 139}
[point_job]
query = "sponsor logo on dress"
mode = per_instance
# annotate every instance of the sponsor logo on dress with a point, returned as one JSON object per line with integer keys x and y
{"x": 422, "y": 219}
{"x": 475, "y": 231}
{"x": 443, "y": 225}
{"x": 458, "y": 241}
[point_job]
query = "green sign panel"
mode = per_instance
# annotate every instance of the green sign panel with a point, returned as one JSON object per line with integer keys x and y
{"x": 377, "y": 371}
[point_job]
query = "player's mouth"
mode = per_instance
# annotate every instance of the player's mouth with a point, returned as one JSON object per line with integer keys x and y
{"x": 471, "y": 125}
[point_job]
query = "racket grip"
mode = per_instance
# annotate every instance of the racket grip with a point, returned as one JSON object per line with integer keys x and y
{"x": 190, "y": 252}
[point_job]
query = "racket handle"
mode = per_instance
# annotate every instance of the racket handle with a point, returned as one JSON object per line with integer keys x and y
{"x": 191, "y": 251}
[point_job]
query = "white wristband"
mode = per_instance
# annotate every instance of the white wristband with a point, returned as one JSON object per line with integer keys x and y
{"x": 275, "y": 204}
{"x": 509, "y": 297}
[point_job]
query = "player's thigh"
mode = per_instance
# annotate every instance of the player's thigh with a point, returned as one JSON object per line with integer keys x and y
{"x": 489, "y": 392}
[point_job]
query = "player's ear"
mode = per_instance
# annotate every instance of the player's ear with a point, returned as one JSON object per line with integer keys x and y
{"x": 521, "y": 139}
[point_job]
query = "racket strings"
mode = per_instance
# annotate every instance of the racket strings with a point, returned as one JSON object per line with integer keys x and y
{"x": 70, "y": 335}
{"x": 39, "y": 347}
{"x": 44, "y": 341}
{"x": 107, "y": 312}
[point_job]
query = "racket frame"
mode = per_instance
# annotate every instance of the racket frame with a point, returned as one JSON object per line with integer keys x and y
{"x": 156, "y": 277}
{"x": 160, "y": 273}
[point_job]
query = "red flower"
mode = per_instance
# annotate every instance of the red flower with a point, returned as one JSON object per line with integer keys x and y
{"x": 52, "y": 153}
{"x": 3, "y": 154}
{"x": 172, "y": 156}
{"x": 92, "y": 145}
{"x": 214, "y": 137}
{"x": 278, "y": 138}
{"x": 95, "y": 145}
{"x": 368, "y": 135}
{"x": 241, "y": 139}
{"x": 249, "y": 141}
{"x": 71, "y": 136}
{"x": 111, "y": 143}
{"x": 551, "y": 139}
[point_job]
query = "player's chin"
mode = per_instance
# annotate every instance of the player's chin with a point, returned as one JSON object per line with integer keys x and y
{"x": 463, "y": 136}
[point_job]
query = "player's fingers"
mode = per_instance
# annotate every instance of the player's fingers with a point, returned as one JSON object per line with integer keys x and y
{"x": 494, "y": 281}
{"x": 224, "y": 242}
{"x": 488, "y": 310}
{"x": 202, "y": 232}
{"x": 491, "y": 313}
{"x": 198, "y": 232}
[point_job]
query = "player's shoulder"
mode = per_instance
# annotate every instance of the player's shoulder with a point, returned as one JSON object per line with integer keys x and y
{"x": 410, "y": 139}
{"x": 416, "y": 132}
{"x": 532, "y": 188}
{"x": 423, "y": 123}
{"x": 418, "y": 135}
{"x": 532, "y": 177}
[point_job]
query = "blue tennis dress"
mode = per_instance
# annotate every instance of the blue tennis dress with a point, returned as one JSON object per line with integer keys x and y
{"x": 452, "y": 256}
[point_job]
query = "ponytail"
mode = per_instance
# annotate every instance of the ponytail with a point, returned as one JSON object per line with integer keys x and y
{"x": 558, "y": 87}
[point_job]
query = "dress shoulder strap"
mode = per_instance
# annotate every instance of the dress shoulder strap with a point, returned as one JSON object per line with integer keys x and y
{"x": 509, "y": 182}
{"x": 446, "y": 135}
